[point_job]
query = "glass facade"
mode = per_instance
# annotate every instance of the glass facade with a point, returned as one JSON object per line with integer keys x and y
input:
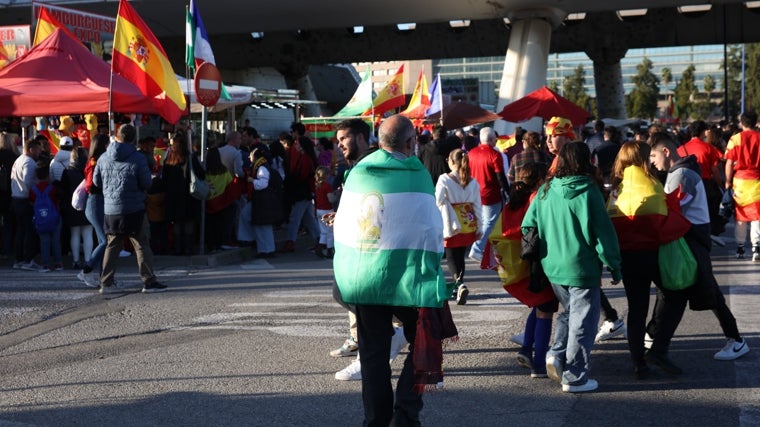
{"x": 706, "y": 59}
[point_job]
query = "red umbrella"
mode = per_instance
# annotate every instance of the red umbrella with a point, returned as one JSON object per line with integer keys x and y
{"x": 460, "y": 114}
{"x": 545, "y": 104}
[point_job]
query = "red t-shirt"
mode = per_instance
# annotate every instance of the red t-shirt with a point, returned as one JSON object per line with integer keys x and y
{"x": 744, "y": 149}
{"x": 707, "y": 155}
{"x": 320, "y": 197}
{"x": 485, "y": 165}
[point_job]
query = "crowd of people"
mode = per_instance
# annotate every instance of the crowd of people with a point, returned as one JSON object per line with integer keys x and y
{"x": 547, "y": 213}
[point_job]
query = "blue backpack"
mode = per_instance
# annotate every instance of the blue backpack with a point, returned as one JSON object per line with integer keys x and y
{"x": 46, "y": 216}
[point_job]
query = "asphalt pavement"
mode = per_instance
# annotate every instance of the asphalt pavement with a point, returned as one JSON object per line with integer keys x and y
{"x": 238, "y": 341}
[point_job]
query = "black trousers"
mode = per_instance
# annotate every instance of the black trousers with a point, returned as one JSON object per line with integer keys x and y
{"x": 455, "y": 261}
{"x": 375, "y": 332}
{"x": 640, "y": 270}
{"x": 27, "y": 240}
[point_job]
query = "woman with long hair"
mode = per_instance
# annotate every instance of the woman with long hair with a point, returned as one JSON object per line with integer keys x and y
{"x": 94, "y": 212}
{"x": 299, "y": 190}
{"x": 458, "y": 197}
{"x": 576, "y": 238}
{"x": 219, "y": 204}
{"x": 80, "y": 229}
{"x": 639, "y": 212}
{"x": 182, "y": 210}
{"x": 515, "y": 273}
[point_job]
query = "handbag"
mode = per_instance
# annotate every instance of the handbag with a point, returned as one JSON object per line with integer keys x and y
{"x": 79, "y": 197}
{"x": 198, "y": 187}
{"x": 678, "y": 267}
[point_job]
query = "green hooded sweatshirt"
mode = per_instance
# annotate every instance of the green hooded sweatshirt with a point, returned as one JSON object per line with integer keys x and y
{"x": 577, "y": 236}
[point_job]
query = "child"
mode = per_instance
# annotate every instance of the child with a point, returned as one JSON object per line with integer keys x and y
{"x": 324, "y": 206}
{"x": 50, "y": 237}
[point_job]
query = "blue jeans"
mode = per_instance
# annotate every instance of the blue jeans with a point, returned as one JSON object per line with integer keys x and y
{"x": 50, "y": 241}
{"x": 302, "y": 212}
{"x": 264, "y": 235}
{"x": 575, "y": 332}
{"x": 95, "y": 214}
{"x": 490, "y": 213}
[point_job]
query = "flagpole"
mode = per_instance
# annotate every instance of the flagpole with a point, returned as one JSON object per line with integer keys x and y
{"x": 110, "y": 81}
{"x": 440, "y": 95}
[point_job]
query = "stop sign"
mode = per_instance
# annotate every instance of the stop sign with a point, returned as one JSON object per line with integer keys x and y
{"x": 208, "y": 84}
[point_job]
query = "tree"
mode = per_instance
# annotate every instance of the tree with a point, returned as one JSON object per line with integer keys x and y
{"x": 642, "y": 101}
{"x": 704, "y": 107}
{"x": 709, "y": 84}
{"x": 685, "y": 92}
{"x": 667, "y": 77}
{"x": 752, "y": 80}
{"x": 554, "y": 86}
{"x": 574, "y": 89}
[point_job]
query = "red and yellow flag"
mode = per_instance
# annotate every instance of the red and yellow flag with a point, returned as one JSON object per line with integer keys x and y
{"x": 46, "y": 24}
{"x": 140, "y": 58}
{"x": 392, "y": 95}
{"x": 420, "y": 101}
{"x": 643, "y": 215}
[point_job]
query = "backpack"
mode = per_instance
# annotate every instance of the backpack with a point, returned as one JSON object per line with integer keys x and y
{"x": 5, "y": 178}
{"x": 46, "y": 216}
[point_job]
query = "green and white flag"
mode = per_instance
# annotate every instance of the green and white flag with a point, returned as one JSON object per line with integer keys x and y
{"x": 361, "y": 101}
{"x": 389, "y": 235}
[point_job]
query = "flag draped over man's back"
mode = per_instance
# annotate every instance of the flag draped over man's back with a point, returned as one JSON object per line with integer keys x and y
{"x": 140, "y": 58}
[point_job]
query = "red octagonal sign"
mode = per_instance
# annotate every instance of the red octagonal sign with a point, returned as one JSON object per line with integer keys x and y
{"x": 208, "y": 84}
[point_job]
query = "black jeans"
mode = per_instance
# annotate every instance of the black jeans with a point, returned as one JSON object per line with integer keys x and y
{"x": 375, "y": 332}
{"x": 640, "y": 269}
{"x": 455, "y": 261}
{"x": 25, "y": 245}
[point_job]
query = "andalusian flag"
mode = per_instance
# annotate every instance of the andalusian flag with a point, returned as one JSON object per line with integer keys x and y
{"x": 46, "y": 24}
{"x": 391, "y": 96}
{"x": 742, "y": 149}
{"x": 389, "y": 235}
{"x": 197, "y": 48}
{"x": 420, "y": 101}
{"x": 139, "y": 57}
{"x": 361, "y": 101}
{"x": 643, "y": 215}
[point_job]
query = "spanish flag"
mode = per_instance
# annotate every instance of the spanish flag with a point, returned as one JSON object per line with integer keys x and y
{"x": 503, "y": 255}
{"x": 139, "y": 57}
{"x": 420, "y": 101}
{"x": 742, "y": 150}
{"x": 643, "y": 215}
{"x": 391, "y": 96}
{"x": 46, "y": 24}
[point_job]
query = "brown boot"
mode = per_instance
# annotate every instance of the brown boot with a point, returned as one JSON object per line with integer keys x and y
{"x": 289, "y": 246}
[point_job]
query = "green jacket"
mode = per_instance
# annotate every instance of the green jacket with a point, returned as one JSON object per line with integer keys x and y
{"x": 576, "y": 233}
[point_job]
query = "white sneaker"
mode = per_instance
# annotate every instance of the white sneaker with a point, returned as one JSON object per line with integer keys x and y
{"x": 756, "y": 253}
{"x": 349, "y": 348}
{"x": 91, "y": 279}
{"x": 352, "y": 372}
{"x": 518, "y": 339}
{"x": 648, "y": 341}
{"x": 398, "y": 342}
{"x": 31, "y": 266}
{"x": 611, "y": 330}
{"x": 732, "y": 350}
{"x": 554, "y": 369}
{"x": 590, "y": 385}
{"x": 462, "y": 293}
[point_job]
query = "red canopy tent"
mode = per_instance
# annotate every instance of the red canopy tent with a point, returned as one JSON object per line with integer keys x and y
{"x": 546, "y": 104}
{"x": 460, "y": 114}
{"x": 60, "y": 76}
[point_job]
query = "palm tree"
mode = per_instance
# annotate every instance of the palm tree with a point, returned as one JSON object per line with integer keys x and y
{"x": 667, "y": 77}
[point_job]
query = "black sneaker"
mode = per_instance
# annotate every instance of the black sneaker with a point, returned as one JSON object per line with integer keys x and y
{"x": 153, "y": 287}
{"x": 663, "y": 363}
